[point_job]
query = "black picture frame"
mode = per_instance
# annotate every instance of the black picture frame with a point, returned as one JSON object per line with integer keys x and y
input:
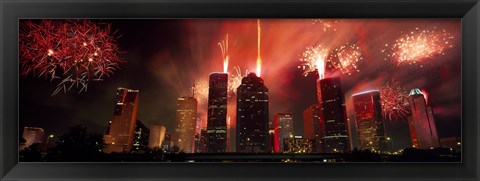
{"x": 11, "y": 11}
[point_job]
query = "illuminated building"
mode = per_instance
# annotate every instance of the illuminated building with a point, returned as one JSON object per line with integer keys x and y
{"x": 185, "y": 124}
{"x": 197, "y": 146}
{"x": 217, "y": 113}
{"x": 369, "y": 120}
{"x": 121, "y": 129}
{"x": 283, "y": 128}
{"x": 157, "y": 135}
{"x": 198, "y": 129}
{"x": 140, "y": 140}
{"x": 298, "y": 144}
{"x": 32, "y": 135}
{"x": 201, "y": 141}
{"x": 167, "y": 143}
{"x": 331, "y": 102}
{"x": 271, "y": 140}
{"x": 228, "y": 135}
{"x": 422, "y": 122}
{"x": 252, "y": 115}
{"x": 313, "y": 126}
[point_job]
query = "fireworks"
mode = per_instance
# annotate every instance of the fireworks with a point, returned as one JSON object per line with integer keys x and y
{"x": 346, "y": 58}
{"x": 394, "y": 100}
{"x": 259, "y": 60}
{"x": 425, "y": 95}
{"x": 326, "y": 24}
{"x": 224, "y": 48}
{"x": 314, "y": 60}
{"x": 234, "y": 80}
{"x": 201, "y": 91}
{"x": 74, "y": 51}
{"x": 420, "y": 45}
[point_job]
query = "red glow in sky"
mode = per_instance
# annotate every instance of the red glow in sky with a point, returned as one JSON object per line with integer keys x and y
{"x": 166, "y": 57}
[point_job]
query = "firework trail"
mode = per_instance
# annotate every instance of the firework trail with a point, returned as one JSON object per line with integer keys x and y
{"x": 259, "y": 60}
{"x": 314, "y": 60}
{"x": 346, "y": 57}
{"x": 419, "y": 45}
{"x": 394, "y": 100}
{"x": 74, "y": 51}
{"x": 224, "y": 48}
{"x": 425, "y": 95}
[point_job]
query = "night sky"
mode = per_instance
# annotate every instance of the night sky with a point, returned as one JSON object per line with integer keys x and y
{"x": 164, "y": 58}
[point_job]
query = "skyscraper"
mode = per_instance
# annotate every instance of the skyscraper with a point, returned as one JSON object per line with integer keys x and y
{"x": 369, "y": 120}
{"x": 313, "y": 126}
{"x": 121, "y": 129}
{"x": 283, "y": 129}
{"x": 201, "y": 141}
{"x": 252, "y": 115}
{"x": 33, "y": 135}
{"x": 422, "y": 122}
{"x": 167, "y": 143}
{"x": 185, "y": 124}
{"x": 140, "y": 140}
{"x": 217, "y": 113}
{"x": 298, "y": 144}
{"x": 157, "y": 135}
{"x": 331, "y": 102}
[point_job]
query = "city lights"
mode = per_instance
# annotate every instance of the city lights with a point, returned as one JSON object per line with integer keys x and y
{"x": 259, "y": 104}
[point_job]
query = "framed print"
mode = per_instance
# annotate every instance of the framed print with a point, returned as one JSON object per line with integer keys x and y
{"x": 240, "y": 90}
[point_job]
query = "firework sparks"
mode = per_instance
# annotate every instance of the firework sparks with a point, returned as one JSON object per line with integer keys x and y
{"x": 425, "y": 95}
{"x": 420, "y": 45}
{"x": 224, "y": 48}
{"x": 346, "y": 58}
{"x": 201, "y": 91}
{"x": 259, "y": 60}
{"x": 234, "y": 80}
{"x": 326, "y": 24}
{"x": 394, "y": 100}
{"x": 314, "y": 60}
{"x": 74, "y": 51}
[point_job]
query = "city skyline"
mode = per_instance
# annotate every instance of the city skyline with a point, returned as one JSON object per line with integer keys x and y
{"x": 292, "y": 76}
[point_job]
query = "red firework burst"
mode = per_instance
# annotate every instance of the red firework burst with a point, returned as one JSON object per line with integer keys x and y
{"x": 394, "y": 100}
{"x": 420, "y": 45}
{"x": 74, "y": 51}
{"x": 346, "y": 57}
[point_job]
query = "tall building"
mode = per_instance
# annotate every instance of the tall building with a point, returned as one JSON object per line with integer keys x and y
{"x": 167, "y": 143}
{"x": 157, "y": 135}
{"x": 252, "y": 115}
{"x": 217, "y": 113}
{"x": 201, "y": 141}
{"x": 121, "y": 128}
{"x": 422, "y": 122}
{"x": 283, "y": 129}
{"x": 186, "y": 124}
{"x": 369, "y": 121}
{"x": 332, "y": 104}
{"x": 298, "y": 144}
{"x": 32, "y": 135}
{"x": 271, "y": 141}
{"x": 313, "y": 126}
{"x": 140, "y": 140}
